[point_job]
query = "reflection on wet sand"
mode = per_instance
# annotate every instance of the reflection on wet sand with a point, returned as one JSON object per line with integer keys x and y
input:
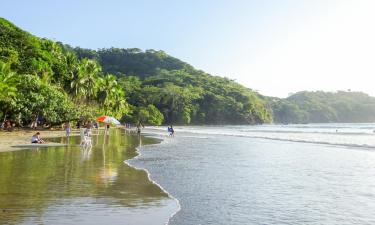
{"x": 34, "y": 183}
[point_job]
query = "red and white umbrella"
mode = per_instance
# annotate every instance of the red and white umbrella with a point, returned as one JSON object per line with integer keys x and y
{"x": 108, "y": 119}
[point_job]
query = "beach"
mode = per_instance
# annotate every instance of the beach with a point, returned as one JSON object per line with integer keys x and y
{"x": 74, "y": 185}
{"x": 23, "y": 137}
{"x": 236, "y": 175}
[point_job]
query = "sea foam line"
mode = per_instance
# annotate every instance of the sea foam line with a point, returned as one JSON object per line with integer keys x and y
{"x": 344, "y": 140}
{"x": 162, "y": 141}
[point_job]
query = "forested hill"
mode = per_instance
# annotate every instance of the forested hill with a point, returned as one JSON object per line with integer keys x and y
{"x": 132, "y": 61}
{"x": 324, "y": 107}
{"x": 152, "y": 77}
{"x": 302, "y": 107}
{"x": 51, "y": 80}
{"x": 43, "y": 78}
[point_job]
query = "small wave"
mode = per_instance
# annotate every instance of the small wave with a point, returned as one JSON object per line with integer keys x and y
{"x": 349, "y": 139}
{"x": 339, "y": 132}
{"x": 128, "y": 162}
{"x": 320, "y": 142}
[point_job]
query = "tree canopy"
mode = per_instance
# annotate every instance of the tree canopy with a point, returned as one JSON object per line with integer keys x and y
{"x": 324, "y": 107}
{"x": 139, "y": 86}
{"x": 44, "y": 78}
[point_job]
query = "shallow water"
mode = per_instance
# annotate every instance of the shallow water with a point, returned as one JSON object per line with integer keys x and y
{"x": 71, "y": 185}
{"x": 237, "y": 179}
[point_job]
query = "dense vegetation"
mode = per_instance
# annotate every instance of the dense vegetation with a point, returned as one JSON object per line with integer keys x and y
{"x": 40, "y": 78}
{"x": 43, "y": 78}
{"x": 324, "y": 107}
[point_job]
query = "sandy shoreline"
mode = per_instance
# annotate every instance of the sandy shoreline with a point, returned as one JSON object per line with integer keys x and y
{"x": 23, "y": 137}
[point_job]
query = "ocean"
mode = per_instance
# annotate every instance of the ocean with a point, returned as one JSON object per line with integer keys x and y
{"x": 269, "y": 174}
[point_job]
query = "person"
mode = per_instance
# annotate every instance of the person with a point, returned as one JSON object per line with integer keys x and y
{"x": 78, "y": 124}
{"x": 67, "y": 128}
{"x": 139, "y": 129}
{"x": 89, "y": 125}
{"x": 8, "y": 126}
{"x": 34, "y": 124}
{"x": 88, "y": 129}
{"x": 171, "y": 133}
{"x": 169, "y": 130}
{"x": 85, "y": 137}
{"x": 106, "y": 127}
{"x": 35, "y": 139}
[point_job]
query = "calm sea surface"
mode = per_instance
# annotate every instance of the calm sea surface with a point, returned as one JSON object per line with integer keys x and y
{"x": 294, "y": 174}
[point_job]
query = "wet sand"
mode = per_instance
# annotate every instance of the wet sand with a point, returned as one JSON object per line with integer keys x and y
{"x": 23, "y": 137}
{"x": 73, "y": 185}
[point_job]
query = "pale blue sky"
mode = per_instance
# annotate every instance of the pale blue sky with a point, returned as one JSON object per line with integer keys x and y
{"x": 274, "y": 46}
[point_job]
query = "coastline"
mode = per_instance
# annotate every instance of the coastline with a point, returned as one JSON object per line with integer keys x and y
{"x": 161, "y": 158}
{"x": 10, "y": 140}
{"x": 160, "y": 140}
{"x": 7, "y": 139}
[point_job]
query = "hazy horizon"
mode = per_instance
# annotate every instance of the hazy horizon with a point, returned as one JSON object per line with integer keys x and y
{"x": 273, "y": 47}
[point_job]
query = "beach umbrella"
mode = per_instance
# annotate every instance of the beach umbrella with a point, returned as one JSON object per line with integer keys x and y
{"x": 108, "y": 119}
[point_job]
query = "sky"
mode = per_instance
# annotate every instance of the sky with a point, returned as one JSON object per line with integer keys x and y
{"x": 276, "y": 47}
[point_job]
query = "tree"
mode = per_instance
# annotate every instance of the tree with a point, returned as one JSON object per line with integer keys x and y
{"x": 84, "y": 81}
{"x": 150, "y": 115}
{"x": 8, "y": 80}
{"x": 111, "y": 96}
{"x": 8, "y": 89}
{"x": 38, "y": 99}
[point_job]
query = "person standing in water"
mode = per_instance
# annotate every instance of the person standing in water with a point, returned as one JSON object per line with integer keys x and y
{"x": 88, "y": 129}
{"x": 139, "y": 125}
{"x": 171, "y": 131}
{"x": 139, "y": 129}
{"x": 67, "y": 129}
{"x": 107, "y": 129}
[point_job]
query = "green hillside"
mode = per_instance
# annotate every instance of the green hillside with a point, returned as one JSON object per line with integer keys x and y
{"x": 324, "y": 107}
{"x": 43, "y": 78}
{"x": 56, "y": 82}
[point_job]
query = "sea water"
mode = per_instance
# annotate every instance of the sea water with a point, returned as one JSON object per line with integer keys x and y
{"x": 273, "y": 174}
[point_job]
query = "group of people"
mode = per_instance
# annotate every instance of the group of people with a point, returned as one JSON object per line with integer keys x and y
{"x": 80, "y": 124}
{"x": 86, "y": 133}
{"x": 8, "y": 125}
{"x": 170, "y": 129}
{"x": 36, "y": 139}
{"x": 88, "y": 126}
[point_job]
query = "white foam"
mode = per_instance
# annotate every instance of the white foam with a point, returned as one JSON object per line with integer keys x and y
{"x": 127, "y": 162}
{"x": 349, "y": 135}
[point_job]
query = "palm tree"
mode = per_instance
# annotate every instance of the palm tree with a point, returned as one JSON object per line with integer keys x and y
{"x": 84, "y": 83}
{"x": 8, "y": 86}
{"x": 111, "y": 96}
{"x": 90, "y": 69}
{"x": 7, "y": 82}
